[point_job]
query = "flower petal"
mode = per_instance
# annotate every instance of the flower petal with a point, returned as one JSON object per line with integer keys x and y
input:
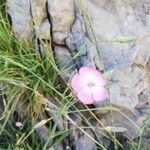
{"x": 99, "y": 94}
{"x": 77, "y": 82}
{"x": 85, "y": 96}
{"x": 86, "y": 70}
{"x": 91, "y": 74}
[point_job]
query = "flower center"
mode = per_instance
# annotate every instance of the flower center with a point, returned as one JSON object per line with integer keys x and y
{"x": 90, "y": 84}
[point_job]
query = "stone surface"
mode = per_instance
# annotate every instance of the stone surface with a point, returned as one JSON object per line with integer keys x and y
{"x": 65, "y": 62}
{"x": 118, "y": 55}
{"x": 121, "y": 15}
{"x": 125, "y": 119}
{"x": 38, "y": 12}
{"x": 78, "y": 139}
{"x": 129, "y": 84}
{"x": 40, "y": 20}
{"x": 84, "y": 142}
{"x": 111, "y": 20}
{"x": 81, "y": 45}
{"x": 19, "y": 11}
{"x": 43, "y": 133}
{"x": 43, "y": 32}
{"x": 143, "y": 55}
{"x": 62, "y": 17}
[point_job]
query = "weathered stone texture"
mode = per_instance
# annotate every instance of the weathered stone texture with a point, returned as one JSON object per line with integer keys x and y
{"x": 19, "y": 11}
{"x": 62, "y": 17}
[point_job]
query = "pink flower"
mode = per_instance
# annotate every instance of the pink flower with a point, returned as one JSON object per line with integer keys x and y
{"x": 19, "y": 124}
{"x": 89, "y": 84}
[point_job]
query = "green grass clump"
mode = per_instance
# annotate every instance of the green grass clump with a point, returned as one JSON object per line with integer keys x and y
{"x": 24, "y": 77}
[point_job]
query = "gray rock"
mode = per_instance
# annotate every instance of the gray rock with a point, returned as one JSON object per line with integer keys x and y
{"x": 85, "y": 142}
{"x": 132, "y": 80}
{"x": 43, "y": 32}
{"x": 19, "y": 11}
{"x": 124, "y": 119}
{"x": 59, "y": 147}
{"x": 62, "y": 17}
{"x": 43, "y": 134}
{"x": 129, "y": 84}
{"x": 57, "y": 119}
{"x": 111, "y": 20}
{"x": 143, "y": 55}
{"x": 123, "y": 18}
{"x": 65, "y": 61}
{"x": 104, "y": 27}
{"x": 76, "y": 37}
{"x": 78, "y": 42}
{"x": 118, "y": 55}
{"x": 41, "y": 23}
{"x": 80, "y": 140}
{"x": 143, "y": 107}
{"x": 39, "y": 12}
{"x": 127, "y": 59}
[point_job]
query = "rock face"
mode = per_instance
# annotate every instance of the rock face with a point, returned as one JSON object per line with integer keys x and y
{"x": 19, "y": 10}
{"x": 66, "y": 63}
{"x": 62, "y": 17}
{"x": 40, "y": 21}
{"x": 43, "y": 31}
{"x": 38, "y": 11}
{"x": 79, "y": 43}
{"x": 129, "y": 84}
{"x": 85, "y": 142}
{"x": 112, "y": 35}
{"x": 128, "y": 60}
